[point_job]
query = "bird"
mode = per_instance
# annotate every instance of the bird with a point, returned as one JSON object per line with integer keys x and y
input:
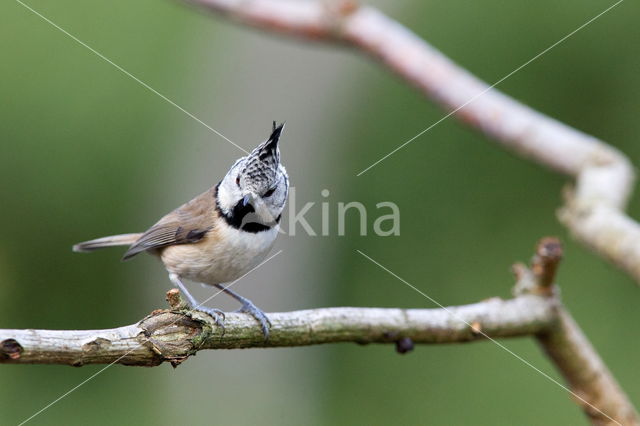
{"x": 221, "y": 234}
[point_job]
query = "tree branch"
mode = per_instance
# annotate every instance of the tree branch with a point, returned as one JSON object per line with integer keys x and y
{"x": 591, "y": 382}
{"x": 173, "y": 335}
{"x": 594, "y": 208}
{"x": 587, "y": 375}
{"x": 593, "y": 212}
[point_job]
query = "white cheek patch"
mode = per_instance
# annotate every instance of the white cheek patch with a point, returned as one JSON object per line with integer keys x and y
{"x": 228, "y": 195}
{"x": 263, "y": 212}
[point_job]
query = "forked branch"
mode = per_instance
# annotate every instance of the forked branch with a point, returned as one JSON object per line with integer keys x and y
{"x": 175, "y": 334}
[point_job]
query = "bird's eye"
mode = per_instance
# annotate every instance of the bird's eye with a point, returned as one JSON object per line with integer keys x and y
{"x": 238, "y": 181}
{"x": 269, "y": 193}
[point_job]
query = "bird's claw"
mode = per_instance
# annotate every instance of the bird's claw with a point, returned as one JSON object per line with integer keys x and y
{"x": 217, "y": 315}
{"x": 261, "y": 317}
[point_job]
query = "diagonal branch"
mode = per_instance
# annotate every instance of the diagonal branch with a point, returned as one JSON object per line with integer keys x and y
{"x": 587, "y": 375}
{"x": 591, "y": 382}
{"x": 594, "y": 208}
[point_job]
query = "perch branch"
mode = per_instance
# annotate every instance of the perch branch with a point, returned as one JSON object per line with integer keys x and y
{"x": 173, "y": 335}
{"x": 594, "y": 208}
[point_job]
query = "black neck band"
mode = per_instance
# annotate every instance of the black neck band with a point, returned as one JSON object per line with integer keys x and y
{"x": 236, "y": 218}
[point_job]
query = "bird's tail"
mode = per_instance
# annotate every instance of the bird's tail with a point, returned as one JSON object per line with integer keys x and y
{"x": 110, "y": 241}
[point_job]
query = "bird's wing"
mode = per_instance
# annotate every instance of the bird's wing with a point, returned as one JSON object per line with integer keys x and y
{"x": 187, "y": 224}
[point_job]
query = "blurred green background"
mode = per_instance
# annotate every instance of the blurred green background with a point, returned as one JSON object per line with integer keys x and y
{"x": 87, "y": 151}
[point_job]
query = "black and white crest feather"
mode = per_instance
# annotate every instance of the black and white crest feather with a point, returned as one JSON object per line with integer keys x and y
{"x": 261, "y": 166}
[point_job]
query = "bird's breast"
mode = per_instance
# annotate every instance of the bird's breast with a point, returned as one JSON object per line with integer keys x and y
{"x": 224, "y": 255}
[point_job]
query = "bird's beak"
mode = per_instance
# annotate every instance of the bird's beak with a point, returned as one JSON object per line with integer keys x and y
{"x": 246, "y": 200}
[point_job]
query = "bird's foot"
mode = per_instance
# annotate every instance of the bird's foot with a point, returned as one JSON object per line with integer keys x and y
{"x": 261, "y": 317}
{"x": 217, "y": 315}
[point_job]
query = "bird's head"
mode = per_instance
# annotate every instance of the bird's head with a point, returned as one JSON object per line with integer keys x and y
{"x": 256, "y": 187}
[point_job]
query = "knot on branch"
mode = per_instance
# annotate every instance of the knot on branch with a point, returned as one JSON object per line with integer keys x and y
{"x": 403, "y": 344}
{"x": 539, "y": 277}
{"x": 546, "y": 260}
{"x": 10, "y": 349}
{"x": 175, "y": 334}
{"x": 96, "y": 345}
{"x": 175, "y": 300}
